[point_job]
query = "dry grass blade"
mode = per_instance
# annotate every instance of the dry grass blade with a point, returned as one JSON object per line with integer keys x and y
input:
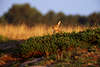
{"x": 23, "y": 32}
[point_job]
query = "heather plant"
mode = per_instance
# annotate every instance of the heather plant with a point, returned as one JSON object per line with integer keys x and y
{"x": 59, "y": 42}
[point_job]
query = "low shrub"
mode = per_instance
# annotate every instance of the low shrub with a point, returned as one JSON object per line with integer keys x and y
{"x": 59, "y": 42}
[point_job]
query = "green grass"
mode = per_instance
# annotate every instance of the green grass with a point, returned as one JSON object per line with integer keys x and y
{"x": 3, "y": 39}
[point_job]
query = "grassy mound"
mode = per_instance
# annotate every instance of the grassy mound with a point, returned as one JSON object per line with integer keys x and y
{"x": 59, "y": 42}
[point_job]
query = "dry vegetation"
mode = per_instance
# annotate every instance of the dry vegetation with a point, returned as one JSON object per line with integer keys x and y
{"x": 24, "y": 32}
{"x": 72, "y": 49}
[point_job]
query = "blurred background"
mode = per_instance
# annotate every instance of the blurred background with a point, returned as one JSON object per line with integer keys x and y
{"x": 49, "y": 11}
{"x": 36, "y": 16}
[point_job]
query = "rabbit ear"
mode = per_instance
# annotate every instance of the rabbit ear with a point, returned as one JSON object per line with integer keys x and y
{"x": 59, "y": 22}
